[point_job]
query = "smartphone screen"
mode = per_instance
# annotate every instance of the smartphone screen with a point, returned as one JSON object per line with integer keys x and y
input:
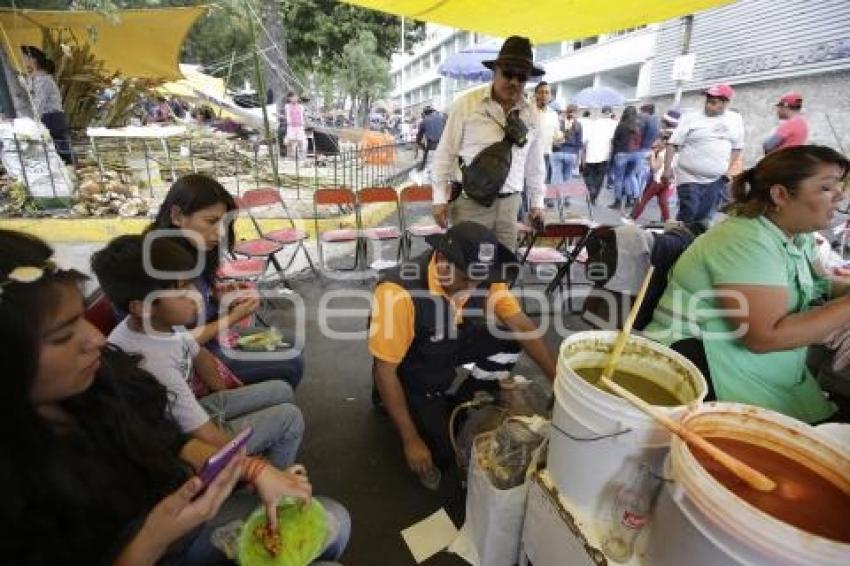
{"x": 217, "y": 462}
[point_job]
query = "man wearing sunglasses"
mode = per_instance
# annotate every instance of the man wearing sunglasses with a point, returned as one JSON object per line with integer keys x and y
{"x": 708, "y": 144}
{"x": 478, "y": 121}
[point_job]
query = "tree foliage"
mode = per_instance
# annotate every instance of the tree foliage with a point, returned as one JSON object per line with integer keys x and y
{"x": 364, "y": 75}
{"x": 318, "y": 31}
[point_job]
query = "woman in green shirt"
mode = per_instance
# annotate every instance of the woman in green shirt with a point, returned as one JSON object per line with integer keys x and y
{"x": 738, "y": 301}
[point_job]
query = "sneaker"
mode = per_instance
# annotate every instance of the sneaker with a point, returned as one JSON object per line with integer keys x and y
{"x": 616, "y": 205}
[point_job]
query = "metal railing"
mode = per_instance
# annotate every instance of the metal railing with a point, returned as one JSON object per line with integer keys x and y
{"x": 153, "y": 164}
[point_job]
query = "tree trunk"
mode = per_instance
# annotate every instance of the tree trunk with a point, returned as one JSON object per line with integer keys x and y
{"x": 272, "y": 43}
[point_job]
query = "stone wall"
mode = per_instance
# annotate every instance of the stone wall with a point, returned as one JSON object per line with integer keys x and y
{"x": 826, "y": 106}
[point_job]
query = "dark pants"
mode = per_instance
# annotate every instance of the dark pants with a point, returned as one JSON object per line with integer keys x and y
{"x": 430, "y": 410}
{"x": 57, "y": 125}
{"x": 255, "y": 371}
{"x": 594, "y": 176}
{"x": 428, "y": 147}
{"x": 699, "y": 201}
{"x": 694, "y": 350}
{"x": 548, "y": 162}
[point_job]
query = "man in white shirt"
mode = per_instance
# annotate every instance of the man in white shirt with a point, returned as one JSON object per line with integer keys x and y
{"x": 707, "y": 144}
{"x": 476, "y": 122}
{"x": 597, "y": 151}
{"x": 548, "y": 122}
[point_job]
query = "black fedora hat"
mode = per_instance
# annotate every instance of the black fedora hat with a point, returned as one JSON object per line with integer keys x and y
{"x": 516, "y": 50}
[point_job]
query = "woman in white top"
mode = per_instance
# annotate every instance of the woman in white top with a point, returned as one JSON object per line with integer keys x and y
{"x": 46, "y": 99}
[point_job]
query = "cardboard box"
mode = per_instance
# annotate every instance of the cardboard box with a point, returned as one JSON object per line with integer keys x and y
{"x": 554, "y": 535}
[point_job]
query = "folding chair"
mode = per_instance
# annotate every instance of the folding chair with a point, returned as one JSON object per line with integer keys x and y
{"x": 340, "y": 197}
{"x": 523, "y": 234}
{"x": 416, "y": 194}
{"x": 100, "y": 312}
{"x": 371, "y": 195}
{"x": 553, "y": 192}
{"x": 258, "y": 248}
{"x": 571, "y": 237}
{"x": 266, "y": 197}
{"x": 573, "y": 188}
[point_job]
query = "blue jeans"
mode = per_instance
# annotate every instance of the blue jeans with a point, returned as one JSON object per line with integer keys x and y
{"x": 242, "y": 503}
{"x": 699, "y": 201}
{"x": 254, "y": 371}
{"x": 267, "y": 407}
{"x": 562, "y": 164}
{"x": 625, "y": 173}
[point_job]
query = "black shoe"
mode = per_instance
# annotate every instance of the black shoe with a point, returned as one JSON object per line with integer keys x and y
{"x": 616, "y": 205}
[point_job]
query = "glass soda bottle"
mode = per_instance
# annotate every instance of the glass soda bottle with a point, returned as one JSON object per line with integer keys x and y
{"x": 629, "y": 513}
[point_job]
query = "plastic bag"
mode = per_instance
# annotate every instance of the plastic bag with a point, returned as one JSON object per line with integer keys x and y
{"x": 490, "y": 536}
{"x": 510, "y": 452}
{"x": 226, "y": 537}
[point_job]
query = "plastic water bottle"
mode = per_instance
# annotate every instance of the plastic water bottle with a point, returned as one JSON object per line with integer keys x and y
{"x": 431, "y": 478}
{"x": 629, "y": 513}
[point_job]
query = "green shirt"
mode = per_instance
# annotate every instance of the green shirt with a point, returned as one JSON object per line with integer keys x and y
{"x": 745, "y": 251}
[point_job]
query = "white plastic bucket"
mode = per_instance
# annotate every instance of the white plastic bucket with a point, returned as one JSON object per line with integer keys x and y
{"x": 699, "y": 522}
{"x": 599, "y": 439}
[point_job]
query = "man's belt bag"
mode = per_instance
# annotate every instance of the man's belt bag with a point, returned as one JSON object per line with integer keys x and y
{"x": 485, "y": 176}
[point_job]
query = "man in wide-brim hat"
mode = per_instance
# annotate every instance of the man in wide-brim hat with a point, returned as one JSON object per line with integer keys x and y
{"x": 478, "y": 121}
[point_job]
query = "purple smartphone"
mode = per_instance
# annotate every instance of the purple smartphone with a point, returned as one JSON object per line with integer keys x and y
{"x": 216, "y": 463}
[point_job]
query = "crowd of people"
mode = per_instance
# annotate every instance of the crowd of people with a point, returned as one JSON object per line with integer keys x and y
{"x": 112, "y": 430}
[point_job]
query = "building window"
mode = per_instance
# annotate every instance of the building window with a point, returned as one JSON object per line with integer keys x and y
{"x": 622, "y": 32}
{"x": 548, "y": 51}
{"x": 585, "y": 42}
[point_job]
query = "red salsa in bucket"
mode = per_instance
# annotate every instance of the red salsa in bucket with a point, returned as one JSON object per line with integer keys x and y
{"x": 802, "y": 497}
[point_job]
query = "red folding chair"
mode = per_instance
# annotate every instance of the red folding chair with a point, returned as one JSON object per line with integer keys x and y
{"x": 256, "y": 249}
{"x": 574, "y": 188}
{"x": 409, "y": 196}
{"x": 571, "y": 238}
{"x": 372, "y": 195}
{"x": 523, "y": 234}
{"x": 340, "y": 197}
{"x": 285, "y": 237}
{"x": 100, "y": 312}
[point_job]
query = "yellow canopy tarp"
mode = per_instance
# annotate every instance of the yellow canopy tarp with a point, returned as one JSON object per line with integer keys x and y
{"x": 198, "y": 86}
{"x": 542, "y": 21}
{"x": 140, "y": 43}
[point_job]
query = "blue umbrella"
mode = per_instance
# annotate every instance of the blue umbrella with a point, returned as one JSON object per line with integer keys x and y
{"x": 466, "y": 63}
{"x": 598, "y": 96}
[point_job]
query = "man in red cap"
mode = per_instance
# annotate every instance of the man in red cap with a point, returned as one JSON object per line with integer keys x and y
{"x": 708, "y": 143}
{"x": 793, "y": 130}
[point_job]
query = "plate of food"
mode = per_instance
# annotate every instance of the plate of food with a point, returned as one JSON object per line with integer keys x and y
{"x": 260, "y": 340}
{"x": 302, "y": 530}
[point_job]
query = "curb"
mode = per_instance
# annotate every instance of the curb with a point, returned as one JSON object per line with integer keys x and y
{"x": 104, "y": 229}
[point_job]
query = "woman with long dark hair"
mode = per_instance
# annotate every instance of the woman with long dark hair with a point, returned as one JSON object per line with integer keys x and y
{"x": 627, "y": 157}
{"x": 92, "y": 466}
{"x": 738, "y": 302}
{"x": 202, "y": 212}
{"x": 47, "y": 100}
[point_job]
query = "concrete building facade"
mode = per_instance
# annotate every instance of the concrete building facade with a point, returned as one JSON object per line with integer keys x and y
{"x": 762, "y": 48}
{"x": 620, "y": 60}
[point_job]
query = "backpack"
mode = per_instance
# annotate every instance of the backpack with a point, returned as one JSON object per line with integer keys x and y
{"x": 604, "y": 260}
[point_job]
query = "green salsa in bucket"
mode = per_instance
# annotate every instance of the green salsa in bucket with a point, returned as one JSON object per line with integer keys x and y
{"x": 647, "y": 390}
